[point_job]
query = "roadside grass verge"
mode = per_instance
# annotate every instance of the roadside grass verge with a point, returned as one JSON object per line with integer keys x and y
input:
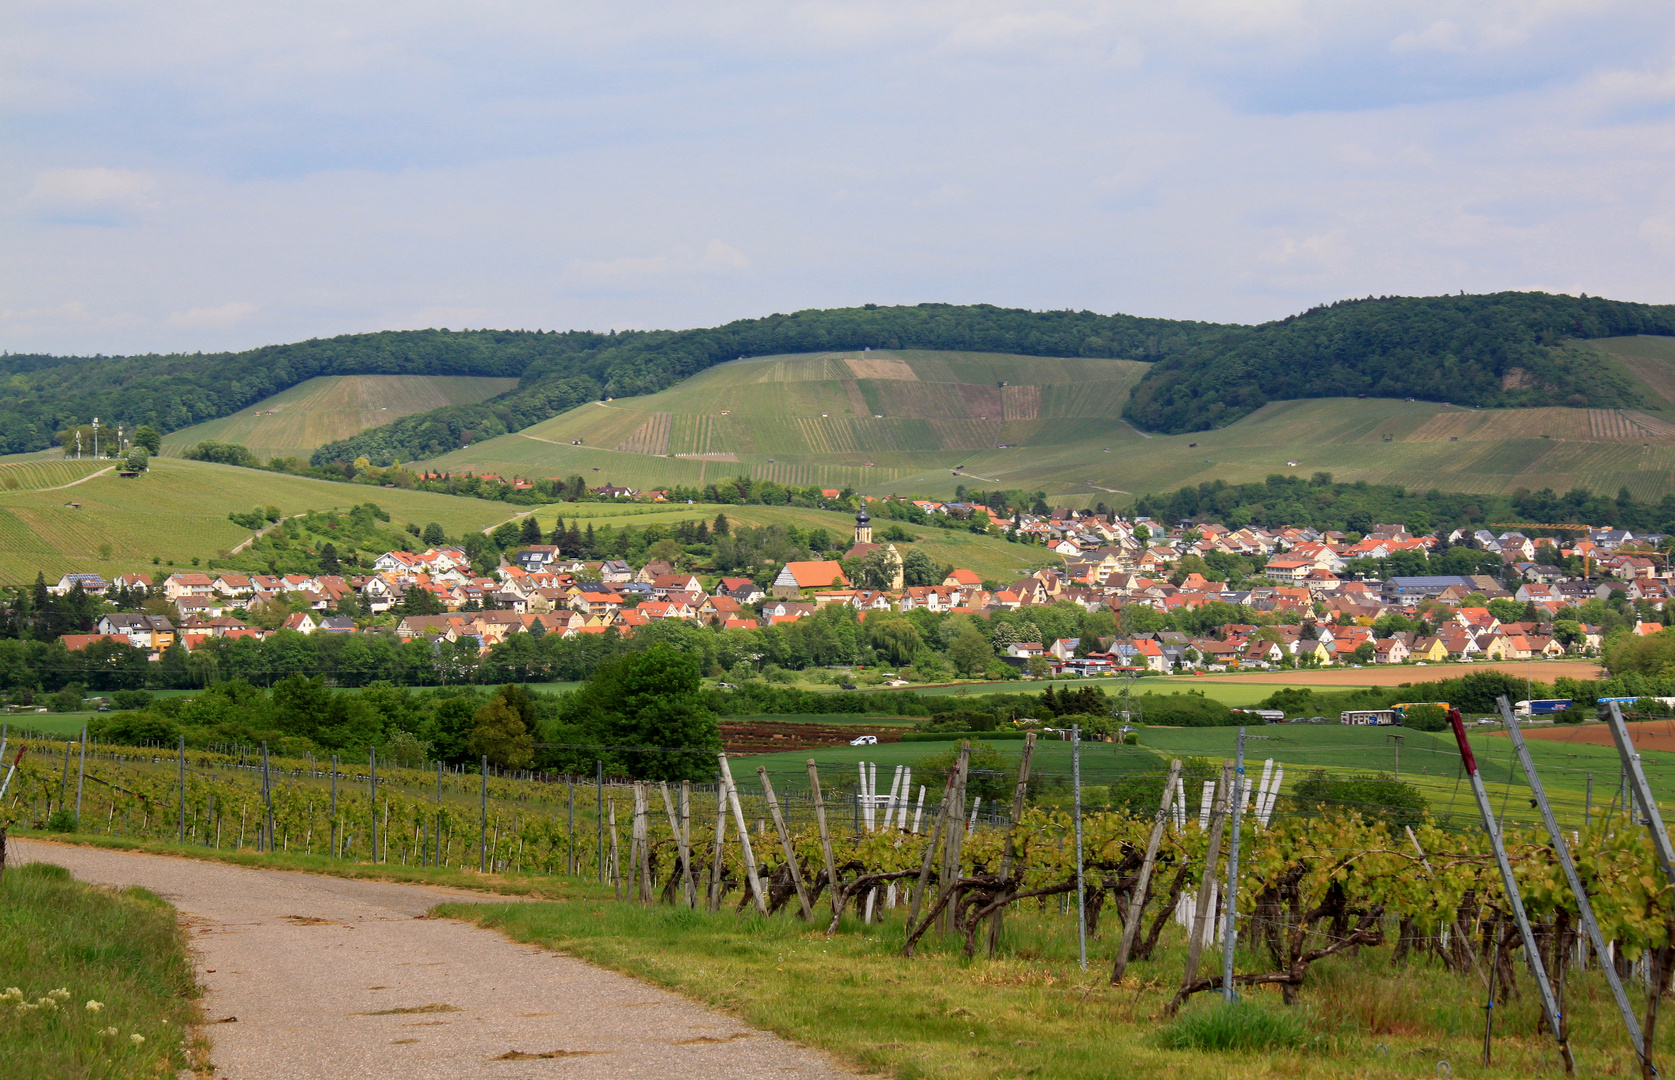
{"x": 104, "y": 982}
{"x": 1033, "y": 1012}
{"x": 538, "y": 886}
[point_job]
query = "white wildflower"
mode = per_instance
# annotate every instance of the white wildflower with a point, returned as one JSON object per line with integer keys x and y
{"x": 12, "y": 994}
{"x": 61, "y": 994}
{"x": 110, "y": 1032}
{"x": 136, "y": 1038}
{"x": 95, "y": 1006}
{"x": 49, "y": 1003}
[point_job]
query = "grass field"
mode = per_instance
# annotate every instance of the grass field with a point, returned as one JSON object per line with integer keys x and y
{"x": 1428, "y": 760}
{"x": 900, "y": 422}
{"x": 122, "y": 951}
{"x": 179, "y": 510}
{"x": 297, "y": 421}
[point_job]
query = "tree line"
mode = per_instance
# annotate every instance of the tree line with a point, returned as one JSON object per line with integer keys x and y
{"x": 1497, "y": 350}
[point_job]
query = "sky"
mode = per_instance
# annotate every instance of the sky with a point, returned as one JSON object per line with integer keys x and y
{"x": 196, "y": 175}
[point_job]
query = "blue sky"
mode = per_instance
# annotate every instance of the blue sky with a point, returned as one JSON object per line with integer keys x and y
{"x": 205, "y": 175}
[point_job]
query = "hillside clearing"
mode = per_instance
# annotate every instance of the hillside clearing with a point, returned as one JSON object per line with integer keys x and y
{"x": 296, "y": 421}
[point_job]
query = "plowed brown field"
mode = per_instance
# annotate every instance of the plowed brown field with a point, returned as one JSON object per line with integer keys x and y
{"x": 1647, "y": 734}
{"x": 773, "y": 736}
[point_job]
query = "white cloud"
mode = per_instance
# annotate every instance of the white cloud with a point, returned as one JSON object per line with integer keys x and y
{"x": 218, "y": 317}
{"x": 98, "y": 194}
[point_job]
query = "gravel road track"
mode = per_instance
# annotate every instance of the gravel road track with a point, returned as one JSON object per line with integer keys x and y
{"x": 344, "y": 979}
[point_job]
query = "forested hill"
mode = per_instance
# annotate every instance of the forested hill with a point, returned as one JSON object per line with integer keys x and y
{"x": 1502, "y": 349}
{"x": 42, "y": 395}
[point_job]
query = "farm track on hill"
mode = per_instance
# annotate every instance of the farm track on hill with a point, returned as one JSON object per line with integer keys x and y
{"x": 320, "y": 978}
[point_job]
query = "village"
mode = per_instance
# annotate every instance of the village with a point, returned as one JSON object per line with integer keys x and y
{"x": 1308, "y": 602}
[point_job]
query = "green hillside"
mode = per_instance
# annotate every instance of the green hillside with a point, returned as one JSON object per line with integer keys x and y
{"x": 297, "y": 421}
{"x": 900, "y": 422}
{"x": 178, "y": 511}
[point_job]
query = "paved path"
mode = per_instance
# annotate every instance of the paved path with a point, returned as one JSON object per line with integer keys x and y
{"x": 329, "y": 978}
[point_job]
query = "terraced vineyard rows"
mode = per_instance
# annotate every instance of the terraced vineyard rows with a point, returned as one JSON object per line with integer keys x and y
{"x": 38, "y": 474}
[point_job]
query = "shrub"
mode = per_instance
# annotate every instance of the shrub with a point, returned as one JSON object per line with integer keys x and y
{"x": 63, "y": 820}
{"x": 1191, "y": 709}
{"x": 1379, "y": 797}
{"x": 990, "y": 775}
{"x": 958, "y": 720}
{"x": 130, "y": 700}
{"x": 1141, "y": 794}
{"x": 1425, "y": 718}
{"x": 1238, "y": 1027}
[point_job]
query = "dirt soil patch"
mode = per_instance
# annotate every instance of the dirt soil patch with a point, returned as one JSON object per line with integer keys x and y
{"x": 1647, "y": 734}
{"x": 772, "y": 736}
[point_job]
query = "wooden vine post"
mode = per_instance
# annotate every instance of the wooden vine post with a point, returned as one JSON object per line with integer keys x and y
{"x": 750, "y": 873}
{"x": 682, "y": 848}
{"x": 954, "y": 823}
{"x": 931, "y": 844}
{"x": 1137, "y": 906}
{"x": 825, "y": 841}
{"x": 716, "y": 863}
{"x": 1203, "y": 908}
{"x": 1009, "y": 853}
{"x": 785, "y": 842}
{"x": 616, "y": 855}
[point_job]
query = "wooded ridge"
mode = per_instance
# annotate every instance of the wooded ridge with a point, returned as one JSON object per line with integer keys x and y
{"x": 1504, "y": 349}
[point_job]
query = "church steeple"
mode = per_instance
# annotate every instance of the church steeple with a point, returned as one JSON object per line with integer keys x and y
{"x": 863, "y": 527}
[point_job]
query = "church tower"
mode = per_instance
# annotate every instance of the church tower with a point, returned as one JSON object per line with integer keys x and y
{"x": 863, "y": 527}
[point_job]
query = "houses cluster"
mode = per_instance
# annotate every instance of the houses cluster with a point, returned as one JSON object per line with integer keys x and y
{"x": 1322, "y": 614}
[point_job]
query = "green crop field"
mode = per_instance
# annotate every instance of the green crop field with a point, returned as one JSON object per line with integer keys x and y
{"x": 925, "y": 422}
{"x": 178, "y": 511}
{"x": 297, "y": 421}
{"x": 1428, "y": 760}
